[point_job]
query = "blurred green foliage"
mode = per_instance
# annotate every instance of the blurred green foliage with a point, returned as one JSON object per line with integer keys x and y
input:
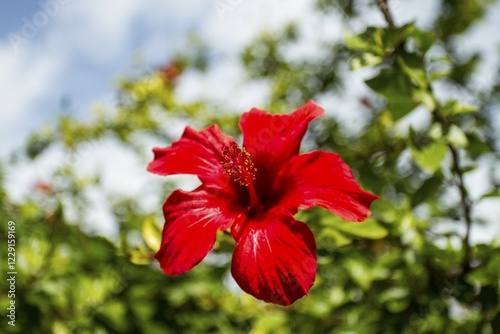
{"x": 395, "y": 273}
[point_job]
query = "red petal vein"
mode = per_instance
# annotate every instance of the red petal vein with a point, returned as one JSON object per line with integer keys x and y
{"x": 198, "y": 153}
{"x": 192, "y": 220}
{"x": 323, "y": 179}
{"x": 275, "y": 258}
{"x": 272, "y": 140}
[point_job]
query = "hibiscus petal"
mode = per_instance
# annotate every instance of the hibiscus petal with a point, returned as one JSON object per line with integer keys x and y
{"x": 272, "y": 140}
{"x": 198, "y": 153}
{"x": 274, "y": 258}
{"x": 323, "y": 179}
{"x": 192, "y": 220}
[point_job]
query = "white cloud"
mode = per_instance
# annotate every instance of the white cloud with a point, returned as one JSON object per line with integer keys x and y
{"x": 23, "y": 81}
{"x": 87, "y": 36}
{"x": 481, "y": 39}
{"x": 67, "y": 52}
{"x": 95, "y": 30}
{"x": 102, "y": 30}
{"x": 423, "y": 12}
{"x": 235, "y": 28}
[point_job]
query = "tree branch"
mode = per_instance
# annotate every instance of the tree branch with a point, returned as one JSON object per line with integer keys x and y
{"x": 467, "y": 207}
{"x": 384, "y": 8}
{"x": 457, "y": 169}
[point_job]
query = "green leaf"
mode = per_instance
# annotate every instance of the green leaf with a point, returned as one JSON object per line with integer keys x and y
{"x": 430, "y": 156}
{"x": 477, "y": 145}
{"x": 392, "y": 38}
{"x": 413, "y": 66}
{"x": 330, "y": 239}
{"x": 269, "y": 323}
{"x": 59, "y": 328}
{"x": 439, "y": 74}
{"x": 453, "y": 107}
{"x": 456, "y": 136}
{"x": 140, "y": 256}
{"x": 368, "y": 229}
{"x": 369, "y": 41}
{"x": 427, "y": 189}
{"x": 397, "y": 306}
{"x": 470, "y": 168}
{"x": 493, "y": 193}
{"x": 360, "y": 272}
{"x": 424, "y": 39}
{"x": 436, "y": 131}
{"x": 379, "y": 41}
{"x": 424, "y": 97}
{"x": 114, "y": 314}
{"x": 151, "y": 234}
{"x": 394, "y": 293}
{"x": 396, "y": 87}
{"x": 462, "y": 72}
{"x": 366, "y": 59}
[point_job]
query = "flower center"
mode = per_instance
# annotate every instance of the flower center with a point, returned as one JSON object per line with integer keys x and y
{"x": 238, "y": 165}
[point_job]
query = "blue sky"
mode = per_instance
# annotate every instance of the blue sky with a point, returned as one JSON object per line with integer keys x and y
{"x": 77, "y": 51}
{"x": 81, "y": 47}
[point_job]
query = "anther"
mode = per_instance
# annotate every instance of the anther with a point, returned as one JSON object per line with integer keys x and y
{"x": 238, "y": 165}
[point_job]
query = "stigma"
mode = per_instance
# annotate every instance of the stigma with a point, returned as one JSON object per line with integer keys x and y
{"x": 238, "y": 165}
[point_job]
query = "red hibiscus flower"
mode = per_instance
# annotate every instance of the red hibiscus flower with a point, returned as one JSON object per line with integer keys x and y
{"x": 171, "y": 72}
{"x": 254, "y": 191}
{"x": 43, "y": 186}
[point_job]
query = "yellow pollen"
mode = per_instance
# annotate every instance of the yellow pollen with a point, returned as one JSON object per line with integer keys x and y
{"x": 238, "y": 165}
